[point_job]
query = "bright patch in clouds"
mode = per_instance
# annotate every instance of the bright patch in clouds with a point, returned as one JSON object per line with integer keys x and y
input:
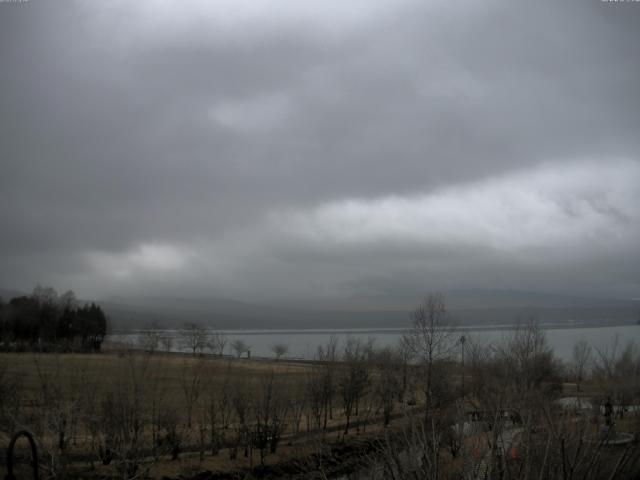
{"x": 253, "y": 114}
{"x": 146, "y": 258}
{"x": 550, "y": 206}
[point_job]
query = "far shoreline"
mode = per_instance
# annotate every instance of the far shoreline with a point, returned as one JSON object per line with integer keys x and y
{"x": 373, "y": 330}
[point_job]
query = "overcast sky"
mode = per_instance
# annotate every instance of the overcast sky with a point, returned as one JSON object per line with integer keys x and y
{"x": 316, "y": 149}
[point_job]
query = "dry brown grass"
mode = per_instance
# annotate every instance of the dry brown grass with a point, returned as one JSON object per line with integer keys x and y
{"x": 73, "y": 371}
{"x": 163, "y": 376}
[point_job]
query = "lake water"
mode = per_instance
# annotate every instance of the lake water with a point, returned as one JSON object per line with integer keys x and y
{"x": 304, "y": 343}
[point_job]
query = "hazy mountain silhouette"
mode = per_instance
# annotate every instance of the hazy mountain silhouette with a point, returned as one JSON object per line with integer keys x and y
{"x": 7, "y": 294}
{"x": 466, "y": 307}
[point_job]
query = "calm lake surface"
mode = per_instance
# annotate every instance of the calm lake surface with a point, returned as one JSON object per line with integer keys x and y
{"x": 304, "y": 343}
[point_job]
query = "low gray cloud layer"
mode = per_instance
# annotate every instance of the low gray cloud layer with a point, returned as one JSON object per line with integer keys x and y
{"x": 285, "y": 149}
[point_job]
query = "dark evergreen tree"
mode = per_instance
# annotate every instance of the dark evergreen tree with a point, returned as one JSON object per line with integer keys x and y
{"x": 46, "y": 321}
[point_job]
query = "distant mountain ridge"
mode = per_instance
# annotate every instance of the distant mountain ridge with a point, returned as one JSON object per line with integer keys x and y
{"x": 7, "y": 294}
{"x": 466, "y": 307}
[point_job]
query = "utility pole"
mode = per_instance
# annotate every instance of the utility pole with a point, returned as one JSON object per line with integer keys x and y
{"x": 463, "y": 403}
{"x": 462, "y": 340}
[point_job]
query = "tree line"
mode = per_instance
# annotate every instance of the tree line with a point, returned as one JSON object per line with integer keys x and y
{"x": 46, "y": 321}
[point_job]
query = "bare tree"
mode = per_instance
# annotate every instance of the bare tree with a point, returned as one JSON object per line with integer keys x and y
{"x": 580, "y": 362}
{"x": 171, "y": 437}
{"x": 279, "y": 350}
{"x": 315, "y": 394}
{"x": 11, "y": 387}
{"x": 270, "y": 410}
{"x": 214, "y": 412}
{"x": 194, "y": 337}
{"x": 217, "y": 343}
{"x": 192, "y": 384}
{"x": 298, "y": 406}
{"x": 157, "y": 405}
{"x": 617, "y": 371}
{"x": 529, "y": 357}
{"x": 239, "y": 347}
{"x": 431, "y": 339}
{"x": 354, "y": 378}
{"x": 68, "y": 300}
{"x": 48, "y": 302}
{"x": 149, "y": 341}
{"x": 122, "y": 417}
{"x": 328, "y": 356}
{"x": 240, "y": 400}
{"x": 166, "y": 341}
{"x": 56, "y": 411}
{"x": 387, "y": 382}
{"x": 45, "y": 295}
{"x": 404, "y": 354}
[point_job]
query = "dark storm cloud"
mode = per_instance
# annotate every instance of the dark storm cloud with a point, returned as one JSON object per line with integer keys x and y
{"x": 275, "y": 149}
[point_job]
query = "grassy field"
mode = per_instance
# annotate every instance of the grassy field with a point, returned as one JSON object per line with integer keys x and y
{"x": 32, "y": 370}
{"x": 45, "y": 389}
{"x": 176, "y": 415}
